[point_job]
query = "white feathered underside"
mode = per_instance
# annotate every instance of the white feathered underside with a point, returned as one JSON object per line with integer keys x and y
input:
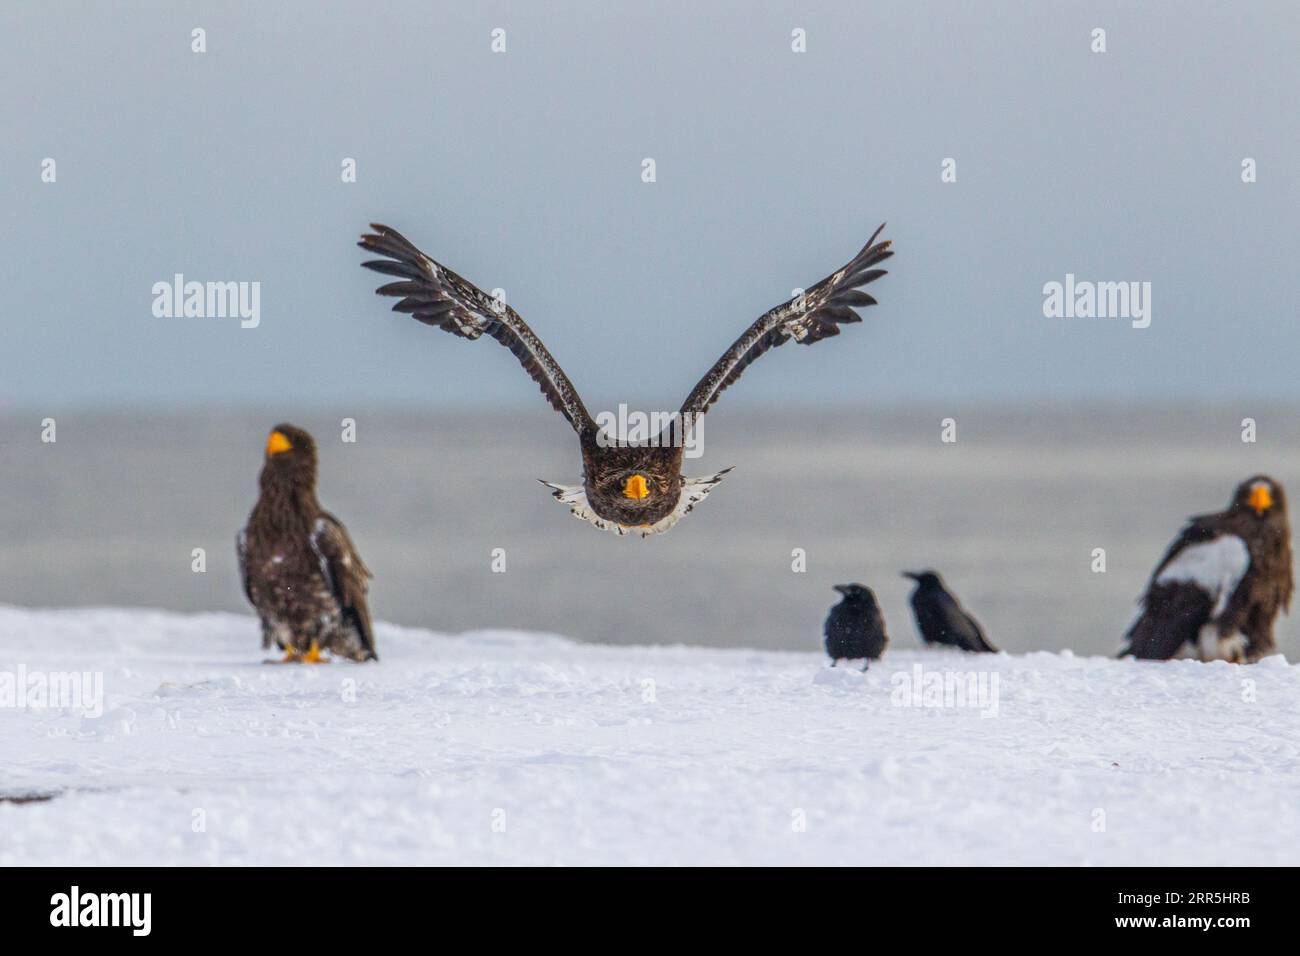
{"x": 1215, "y": 566}
{"x": 694, "y": 490}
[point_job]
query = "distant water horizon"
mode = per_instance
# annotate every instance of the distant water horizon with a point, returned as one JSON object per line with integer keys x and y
{"x": 1011, "y": 514}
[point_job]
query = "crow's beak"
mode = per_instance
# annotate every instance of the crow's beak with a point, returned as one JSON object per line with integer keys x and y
{"x": 842, "y": 588}
{"x": 915, "y": 576}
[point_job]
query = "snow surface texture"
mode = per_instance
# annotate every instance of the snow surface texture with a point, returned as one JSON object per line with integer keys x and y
{"x": 516, "y": 748}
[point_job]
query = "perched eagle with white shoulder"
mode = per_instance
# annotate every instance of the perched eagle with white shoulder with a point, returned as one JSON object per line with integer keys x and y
{"x": 300, "y": 570}
{"x": 1217, "y": 592}
{"x": 627, "y": 488}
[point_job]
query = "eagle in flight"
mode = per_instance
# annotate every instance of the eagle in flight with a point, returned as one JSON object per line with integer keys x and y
{"x": 1217, "y": 592}
{"x": 627, "y": 488}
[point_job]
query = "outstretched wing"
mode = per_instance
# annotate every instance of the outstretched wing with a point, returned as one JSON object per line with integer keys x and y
{"x": 347, "y": 575}
{"x": 435, "y": 295}
{"x": 814, "y": 316}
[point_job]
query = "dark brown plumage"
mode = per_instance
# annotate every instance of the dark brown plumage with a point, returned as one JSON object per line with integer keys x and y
{"x": 627, "y": 488}
{"x": 1229, "y": 573}
{"x": 300, "y": 569}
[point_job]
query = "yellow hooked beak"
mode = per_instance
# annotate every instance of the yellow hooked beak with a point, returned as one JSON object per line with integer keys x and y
{"x": 636, "y": 487}
{"x": 1260, "y": 499}
{"x": 277, "y": 443}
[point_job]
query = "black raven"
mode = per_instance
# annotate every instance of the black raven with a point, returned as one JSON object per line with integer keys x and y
{"x": 941, "y": 619}
{"x": 855, "y": 628}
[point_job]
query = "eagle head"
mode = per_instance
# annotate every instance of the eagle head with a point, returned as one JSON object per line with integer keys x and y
{"x": 1260, "y": 495}
{"x": 636, "y": 502}
{"x": 290, "y": 455}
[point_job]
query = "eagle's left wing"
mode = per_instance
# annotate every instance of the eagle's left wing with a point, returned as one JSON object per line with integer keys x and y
{"x": 809, "y": 318}
{"x": 347, "y": 575}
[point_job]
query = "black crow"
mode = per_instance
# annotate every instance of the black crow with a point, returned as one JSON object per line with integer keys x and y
{"x": 855, "y": 628}
{"x": 941, "y": 619}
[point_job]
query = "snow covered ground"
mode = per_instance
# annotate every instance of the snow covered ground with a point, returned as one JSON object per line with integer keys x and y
{"x": 516, "y": 748}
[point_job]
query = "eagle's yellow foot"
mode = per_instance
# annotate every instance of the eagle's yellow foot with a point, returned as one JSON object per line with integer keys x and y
{"x": 313, "y": 655}
{"x": 290, "y": 655}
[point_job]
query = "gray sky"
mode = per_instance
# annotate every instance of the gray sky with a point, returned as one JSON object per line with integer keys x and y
{"x": 523, "y": 170}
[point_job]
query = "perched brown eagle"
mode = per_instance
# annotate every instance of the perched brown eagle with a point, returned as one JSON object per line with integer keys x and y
{"x": 300, "y": 569}
{"x": 627, "y": 487}
{"x": 1221, "y": 583}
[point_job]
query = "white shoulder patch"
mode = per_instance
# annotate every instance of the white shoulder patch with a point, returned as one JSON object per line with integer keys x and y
{"x": 694, "y": 490}
{"x": 1216, "y": 567}
{"x": 317, "y": 530}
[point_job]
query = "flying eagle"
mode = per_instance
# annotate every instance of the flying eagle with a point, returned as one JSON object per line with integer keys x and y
{"x": 300, "y": 569}
{"x": 627, "y": 488}
{"x": 1222, "y": 582}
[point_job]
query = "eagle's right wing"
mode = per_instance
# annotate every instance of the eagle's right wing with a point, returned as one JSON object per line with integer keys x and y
{"x": 435, "y": 295}
{"x": 1189, "y": 587}
{"x": 1215, "y": 566}
{"x": 241, "y": 551}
